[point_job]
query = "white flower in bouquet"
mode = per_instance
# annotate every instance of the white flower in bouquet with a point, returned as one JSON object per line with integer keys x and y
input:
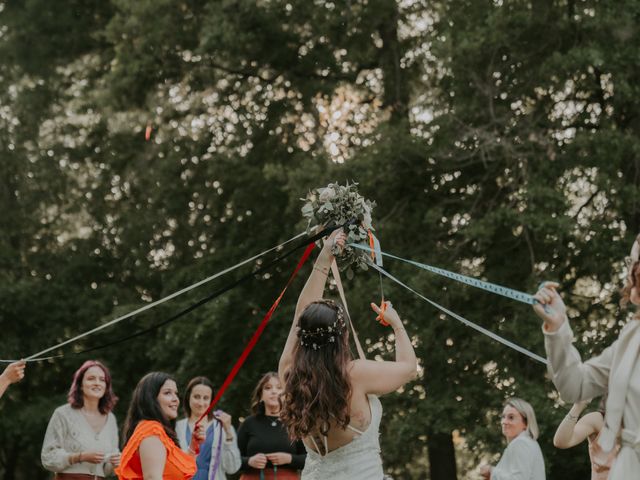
{"x": 326, "y": 194}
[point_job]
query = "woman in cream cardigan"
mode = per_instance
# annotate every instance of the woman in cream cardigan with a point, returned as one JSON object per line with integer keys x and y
{"x": 82, "y": 435}
{"x": 617, "y": 369}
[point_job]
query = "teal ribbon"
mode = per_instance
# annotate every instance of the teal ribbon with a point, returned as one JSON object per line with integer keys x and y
{"x": 463, "y": 320}
{"x": 458, "y": 277}
{"x": 275, "y": 473}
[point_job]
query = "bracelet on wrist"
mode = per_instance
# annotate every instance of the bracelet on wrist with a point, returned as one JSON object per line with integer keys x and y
{"x": 572, "y": 417}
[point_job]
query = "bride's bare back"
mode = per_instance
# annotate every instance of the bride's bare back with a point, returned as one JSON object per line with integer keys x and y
{"x": 360, "y": 415}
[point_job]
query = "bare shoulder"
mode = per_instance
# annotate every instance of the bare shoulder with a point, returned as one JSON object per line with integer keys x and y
{"x": 360, "y": 365}
{"x": 360, "y": 368}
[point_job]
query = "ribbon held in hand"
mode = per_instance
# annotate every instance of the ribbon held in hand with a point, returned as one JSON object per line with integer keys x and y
{"x": 197, "y": 437}
{"x": 380, "y": 317}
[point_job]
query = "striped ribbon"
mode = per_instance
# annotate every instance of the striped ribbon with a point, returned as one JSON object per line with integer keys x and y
{"x": 463, "y": 320}
{"x": 474, "y": 282}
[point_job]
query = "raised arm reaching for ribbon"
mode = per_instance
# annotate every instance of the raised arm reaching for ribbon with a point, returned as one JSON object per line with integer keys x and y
{"x": 616, "y": 369}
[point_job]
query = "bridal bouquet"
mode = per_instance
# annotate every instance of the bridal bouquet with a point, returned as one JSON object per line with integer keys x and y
{"x": 340, "y": 204}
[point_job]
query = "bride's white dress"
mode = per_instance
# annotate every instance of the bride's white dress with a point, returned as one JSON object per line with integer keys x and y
{"x": 357, "y": 460}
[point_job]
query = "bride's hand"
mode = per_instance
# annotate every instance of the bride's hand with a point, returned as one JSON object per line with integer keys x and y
{"x": 335, "y": 243}
{"x": 388, "y": 315}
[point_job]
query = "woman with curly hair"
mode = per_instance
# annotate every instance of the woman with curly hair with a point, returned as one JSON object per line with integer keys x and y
{"x": 616, "y": 370}
{"x": 330, "y": 399}
{"x": 82, "y": 436}
{"x": 265, "y": 447}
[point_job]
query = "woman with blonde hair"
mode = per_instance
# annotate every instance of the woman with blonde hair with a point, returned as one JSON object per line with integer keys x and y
{"x": 331, "y": 400}
{"x": 616, "y": 370}
{"x": 522, "y": 459}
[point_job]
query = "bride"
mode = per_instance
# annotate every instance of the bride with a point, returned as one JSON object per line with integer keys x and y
{"x": 330, "y": 400}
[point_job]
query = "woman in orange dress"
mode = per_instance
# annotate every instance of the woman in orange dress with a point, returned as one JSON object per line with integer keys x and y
{"x": 152, "y": 451}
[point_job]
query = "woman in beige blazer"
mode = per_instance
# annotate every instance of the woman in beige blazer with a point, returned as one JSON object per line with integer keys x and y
{"x": 617, "y": 369}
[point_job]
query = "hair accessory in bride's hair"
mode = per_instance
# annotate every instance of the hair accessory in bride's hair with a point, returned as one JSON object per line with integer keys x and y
{"x": 321, "y": 336}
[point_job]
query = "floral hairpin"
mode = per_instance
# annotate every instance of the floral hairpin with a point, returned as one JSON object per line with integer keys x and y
{"x": 321, "y": 336}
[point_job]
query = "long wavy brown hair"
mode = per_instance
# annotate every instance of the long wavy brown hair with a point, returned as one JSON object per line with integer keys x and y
{"x": 633, "y": 280}
{"x": 317, "y": 388}
{"x": 144, "y": 406}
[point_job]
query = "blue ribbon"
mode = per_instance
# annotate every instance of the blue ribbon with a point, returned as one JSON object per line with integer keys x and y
{"x": 458, "y": 277}
{"x": 463, "y": 320}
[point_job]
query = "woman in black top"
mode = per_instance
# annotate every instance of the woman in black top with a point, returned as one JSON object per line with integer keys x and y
{"x": 266, "y": 450}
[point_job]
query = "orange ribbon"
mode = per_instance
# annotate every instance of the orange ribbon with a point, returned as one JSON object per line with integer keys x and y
{"x": 372, "y": 245}
{"x": 380, "y": 317}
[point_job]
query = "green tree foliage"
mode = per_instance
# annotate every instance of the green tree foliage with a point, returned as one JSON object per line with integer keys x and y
{"x": 499, "y": 139}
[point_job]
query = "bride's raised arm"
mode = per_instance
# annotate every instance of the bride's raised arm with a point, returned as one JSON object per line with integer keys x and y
{"x": 312, "y": 291}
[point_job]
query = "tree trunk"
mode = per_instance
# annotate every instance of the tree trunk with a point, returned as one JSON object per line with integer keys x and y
{"x": 10, "y": 465}
{"x": 442, "y": 457}
{"x": 396, "y": 90}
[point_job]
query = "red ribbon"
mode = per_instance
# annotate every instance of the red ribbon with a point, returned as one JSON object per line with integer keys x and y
{"x": 256, "y": 336}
